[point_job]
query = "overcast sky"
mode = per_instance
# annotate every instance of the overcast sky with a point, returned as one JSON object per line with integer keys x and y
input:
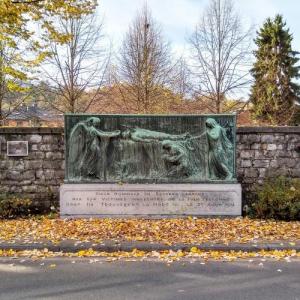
{"x": 178, "y": 17}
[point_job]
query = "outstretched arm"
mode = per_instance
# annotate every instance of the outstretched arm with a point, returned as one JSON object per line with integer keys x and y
{"x": 108, "y": 133}
{"x": 137, "y": 139}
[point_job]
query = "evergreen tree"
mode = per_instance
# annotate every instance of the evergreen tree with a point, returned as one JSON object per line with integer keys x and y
{"x": 274, "y": 94}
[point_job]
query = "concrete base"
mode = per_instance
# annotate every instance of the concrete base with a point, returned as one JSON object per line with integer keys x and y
{"x": 156, "y": 200}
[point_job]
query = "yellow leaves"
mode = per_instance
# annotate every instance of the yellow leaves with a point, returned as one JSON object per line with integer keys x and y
{"x": 137, "y": 253}
{"x": 40, "y": 57}
{"x": 233, "y": 255}
{"x": 14, "y": 31}
{"x": 9, "y": 70}
{"x": 8, "y": 253}
{"x": 168, "y": 256}
{"x": 167, "y": 231}
{"x": 194, "y": 250}
{"x": 12, "y": 86}
{"x": 83, "y": 253}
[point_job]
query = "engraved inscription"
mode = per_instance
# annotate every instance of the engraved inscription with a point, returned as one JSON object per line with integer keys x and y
{"x": 150, "y": 202}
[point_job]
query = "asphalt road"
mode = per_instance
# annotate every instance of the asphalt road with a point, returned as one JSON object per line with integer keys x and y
{"x": 67, "y": 278}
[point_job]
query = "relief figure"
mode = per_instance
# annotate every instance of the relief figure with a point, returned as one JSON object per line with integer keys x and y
{"x": 138, "y": 154}
{"x": 151, "y": 160}
{"x": 147, "y": 136}
{"x": 220, "y": 151}
{"x": 176, "y": 158}
{"x": 88, "y": 149}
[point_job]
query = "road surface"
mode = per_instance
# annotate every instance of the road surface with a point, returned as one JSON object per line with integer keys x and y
{"x": 68, "y": 278}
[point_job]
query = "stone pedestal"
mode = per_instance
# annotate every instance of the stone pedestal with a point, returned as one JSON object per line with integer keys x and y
{"x": 153, "y": 200}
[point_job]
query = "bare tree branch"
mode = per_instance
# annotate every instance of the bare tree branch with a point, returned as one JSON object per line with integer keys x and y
{"x": 145, "y": 66}
{"x": 220, "y": 54}
{"x": 26, "y": 1}
{"x": 76, "y": 71}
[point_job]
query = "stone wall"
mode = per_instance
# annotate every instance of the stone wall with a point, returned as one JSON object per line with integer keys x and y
{"x": 261, "y": 152}
{"x": 265, "y": 152}
{"x": 38, "y": 175}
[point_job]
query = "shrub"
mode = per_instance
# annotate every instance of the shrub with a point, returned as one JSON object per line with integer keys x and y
{"x": 13, "y": 206}
{"x": 278, "y": 198}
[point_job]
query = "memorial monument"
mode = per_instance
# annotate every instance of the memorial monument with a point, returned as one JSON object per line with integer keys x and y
{"x": 152, "y": 165}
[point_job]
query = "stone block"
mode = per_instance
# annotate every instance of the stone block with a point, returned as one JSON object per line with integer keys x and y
{"x": 4, "y": 164}
{"x": 291, "y": 146}
{"x": 60, "y": 174}
{"x": 26, "y": 182}
{"x": 49, "y": 139}
{"x": 253, "y": 138}
{"x": 274, "y": 163}
{"x": 262, "y": 172}
{"x": 256, "y": 146}
{"x": 53, "y": 155}
{"x": 246, "y": 154}
{"x": 280, "y": 138}
{"x": 286, "y": 162}
{"x": 267, "y": 138}
{"x": 4, "y": 189}
{"x": 32, "y": 164}
{"x": 12, "y": 175}
{"x": 283, "y": 153}
{"x": 246, "y": 163}
{"x": 18, "y": 165}
{"x": 261, "y": 163}
{"x": 39, "y": 174}
{"x": 249, "y": 180}
{"x": 34, "y": 147}
{"x": 53, "y": 181}
{"x": 292, "y": 139}
{"x": 28, "y": 175}
{"x": 35, "y": 139}
{"x": 37, "y": 155}
{"x": 51, "y": 164}
{"x": 251, "y": 173}
{"x": 295, "y": 154}
{"x": 149, "y": 199}
{"x": 16, "y": 190}
{"x": 29, "y": 189}
{"x": 48, "y": 147}
{"x": 241, "y": 147}
{"x": 259, "y": 154}
{"x": 271, "y": 147}
{"x": 274, "y": 172}
{"x": 295, "y": 173}
{"x": 49, "y": 174}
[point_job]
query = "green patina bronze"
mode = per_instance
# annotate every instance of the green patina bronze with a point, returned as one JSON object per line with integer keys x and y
{"x": 150, "y": 148}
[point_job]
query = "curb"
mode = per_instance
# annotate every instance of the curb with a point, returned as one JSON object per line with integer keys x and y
{"x": 109, "y": 246}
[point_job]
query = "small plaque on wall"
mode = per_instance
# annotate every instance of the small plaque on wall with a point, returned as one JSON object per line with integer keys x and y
{"x": 17, "y": 148}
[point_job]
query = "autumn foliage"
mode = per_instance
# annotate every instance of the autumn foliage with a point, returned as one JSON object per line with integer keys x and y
{"x": 169, "y": 231}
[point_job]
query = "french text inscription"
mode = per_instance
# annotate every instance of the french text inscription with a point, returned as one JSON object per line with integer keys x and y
{"x": 154, "y": 200}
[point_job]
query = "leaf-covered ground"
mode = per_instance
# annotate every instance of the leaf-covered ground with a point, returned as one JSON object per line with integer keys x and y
{"x": 170, "y": 231}
{"x": 168, "y": 256}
